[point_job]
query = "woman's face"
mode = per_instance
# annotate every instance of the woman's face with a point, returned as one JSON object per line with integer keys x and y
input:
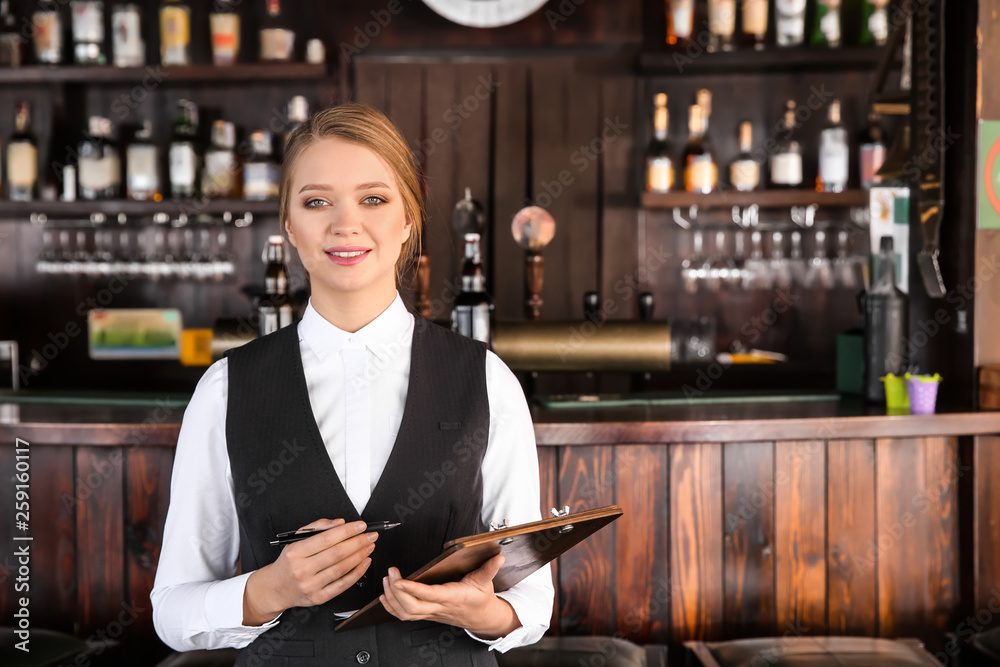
{"x": 346, "y": 219}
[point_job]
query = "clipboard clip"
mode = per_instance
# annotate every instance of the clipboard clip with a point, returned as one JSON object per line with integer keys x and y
{"x": 499, "y": 526}
{"x": 563, "y": 512}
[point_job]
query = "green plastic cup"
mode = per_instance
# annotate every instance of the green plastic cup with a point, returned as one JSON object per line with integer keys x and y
{"x": 897, "y": 398}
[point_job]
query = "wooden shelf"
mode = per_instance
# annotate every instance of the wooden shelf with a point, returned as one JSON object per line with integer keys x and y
{"x": 679, "y": 63}
{"x": 110, "y": 74}
{"x": 762, "y": 198}
{"x": 112, "y": 207}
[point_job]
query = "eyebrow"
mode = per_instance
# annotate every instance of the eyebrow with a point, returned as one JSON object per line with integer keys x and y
{"x": 360, "y": 186}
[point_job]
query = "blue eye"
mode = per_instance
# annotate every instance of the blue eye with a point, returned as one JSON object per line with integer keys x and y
{"x": 314, "y": 203}
{"x": 373, "y": 200}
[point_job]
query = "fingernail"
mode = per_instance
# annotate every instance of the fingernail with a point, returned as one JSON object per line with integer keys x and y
{"x": 371, "y": 548}
{"x": 359, "y": 526}
{"x": 372, "y": 537}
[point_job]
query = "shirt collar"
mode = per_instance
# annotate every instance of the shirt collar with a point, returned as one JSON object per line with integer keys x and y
{"x": 381, "y": 336}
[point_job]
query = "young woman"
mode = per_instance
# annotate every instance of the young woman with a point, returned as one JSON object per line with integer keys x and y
{"x": 361, "y": 412}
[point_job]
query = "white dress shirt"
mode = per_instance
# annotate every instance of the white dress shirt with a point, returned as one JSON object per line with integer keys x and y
{"x": 197, "y": 600}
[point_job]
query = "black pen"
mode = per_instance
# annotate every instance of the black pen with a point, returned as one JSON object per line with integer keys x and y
{"x": 295, "y": 536}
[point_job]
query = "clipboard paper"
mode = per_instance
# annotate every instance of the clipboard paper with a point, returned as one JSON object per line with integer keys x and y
{"x": 526, "y": 548}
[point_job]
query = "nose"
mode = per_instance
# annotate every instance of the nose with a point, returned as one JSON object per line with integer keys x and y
{"x": 345, "y": 221}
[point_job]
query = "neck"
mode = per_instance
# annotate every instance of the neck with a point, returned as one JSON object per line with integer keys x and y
{"x": 351, "y": 311}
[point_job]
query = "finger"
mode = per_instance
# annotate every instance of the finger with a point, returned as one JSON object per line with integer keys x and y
{"x": 483, "y": 577}
{"x": 341, "y": 584}
{"x": 341, "y": 558}
{"x": 341, "y": 533}
{"x": 410, "y": 593}
{"x": 398, "y": 603}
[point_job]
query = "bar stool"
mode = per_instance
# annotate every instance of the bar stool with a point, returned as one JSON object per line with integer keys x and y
{"x": 812, "y": 651}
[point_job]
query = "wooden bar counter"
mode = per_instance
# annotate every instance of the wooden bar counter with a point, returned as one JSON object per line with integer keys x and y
{"x": 800, "y": 517}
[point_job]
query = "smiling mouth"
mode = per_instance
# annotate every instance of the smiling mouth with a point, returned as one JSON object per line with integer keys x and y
{"x": 348, "y": 255}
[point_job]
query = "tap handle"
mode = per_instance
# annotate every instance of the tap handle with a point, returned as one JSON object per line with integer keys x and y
{"x": 646, "y": 306}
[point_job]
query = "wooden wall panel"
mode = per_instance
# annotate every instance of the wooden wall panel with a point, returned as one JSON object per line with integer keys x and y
{"x": 147, "y": 496}
{"x": 696, "y": 547}
{"x": 548, "y": 474}
{"x": 986, "y": 520}
{"x": 748, "y": 476}
{"x": 917, "y": 533}
{"x": 642, "y": 573}
{"x": 586, "y": 573}
{"x": 800, "y": 536}
{"x": 852, "y": 607}
{"x": 53, "y": 513}
{"x": 100, "y": 519}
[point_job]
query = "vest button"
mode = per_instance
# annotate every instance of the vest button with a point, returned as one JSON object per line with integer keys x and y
{"x": 363, "y": 657}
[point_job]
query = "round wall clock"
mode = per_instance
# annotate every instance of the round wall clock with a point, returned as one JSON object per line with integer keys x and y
{"x": 485, "y": 13}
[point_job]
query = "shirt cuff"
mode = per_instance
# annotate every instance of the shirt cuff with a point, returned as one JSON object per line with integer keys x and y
{"x": 530, "y": 631}
{"x": 224, "y": 608}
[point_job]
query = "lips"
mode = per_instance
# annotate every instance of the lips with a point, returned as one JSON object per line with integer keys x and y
{"x": 347, "y": 255}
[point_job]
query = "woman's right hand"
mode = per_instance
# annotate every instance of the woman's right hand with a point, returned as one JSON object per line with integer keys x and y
{"x": 309, "y": 572}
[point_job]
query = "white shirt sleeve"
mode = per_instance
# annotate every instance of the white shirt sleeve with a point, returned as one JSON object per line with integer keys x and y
{"x": 511, "y": 491}
{"x": 197, "y": 599}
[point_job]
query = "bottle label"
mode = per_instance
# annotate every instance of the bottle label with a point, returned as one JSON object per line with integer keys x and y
{"x": 833, "y": 162}
{"x": 127, "y": 34}
{"x": 659, "y": 174}
{"x": 96, "y": 174}
{"x": 88, "y": 22}
{"x": 755, "y": 17}
{"x": 878, "y": 25}
{"x": 260, "y": 180}
{"x": 872, "y": 157}
{"x": 472, "y": 321}
{"x": 682, "y": 12}
{"x": 829, "y": 25}
{"x": 786, "y": 169}
{"x": 175, "y": 27}
{"x": 183, "y": 166}
{"x": 22, "y": 164}
{"x": 48, "y": 36}
{"x": 722, "y": 17}
{"x": 701, "y": 174}
{"x": 141, "y": 168}
{"x": 791, "y": 23}
{"x": 744, "y": 174}
{"x": 276, "y": 44}
{"x": 225, "y": 36}
{"x": 219, "y": 175}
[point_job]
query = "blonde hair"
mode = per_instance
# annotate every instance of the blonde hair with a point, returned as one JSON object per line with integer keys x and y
{"x": 369, "y": 127}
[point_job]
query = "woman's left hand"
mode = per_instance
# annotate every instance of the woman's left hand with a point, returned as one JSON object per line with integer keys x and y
{"x": 470, "y": 603}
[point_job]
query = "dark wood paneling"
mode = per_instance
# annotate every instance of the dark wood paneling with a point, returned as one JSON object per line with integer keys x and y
{"x": 100, "y": 546}
{"x": 53, "y": 513}
{"x": 800, "y": 535}
{"x": 696, "y": 547}
{"x": 548, "y": 475}
{"x": 510, "y": 186}
{"x": 917, "y": 534}
{"x": 586, "y": 573}
{"x": 642, "y": 573}
{"x": 851, "y": 558}
{"x": 986, "y": 521}
{"x": 147, "y": 495}
{"x": 748, "y": 476}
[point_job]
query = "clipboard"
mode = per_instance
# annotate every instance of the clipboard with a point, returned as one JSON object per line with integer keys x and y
{"x": 526, "y": 548}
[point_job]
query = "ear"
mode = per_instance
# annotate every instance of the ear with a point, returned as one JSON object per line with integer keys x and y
{"x": 291, "y": 236}
{"x": 407, "y": 229}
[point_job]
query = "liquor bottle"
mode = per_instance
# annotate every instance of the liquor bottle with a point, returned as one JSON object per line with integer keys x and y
{"x": 680, "y": 22}
{"x": 786, "y": 161}
{"x": 659, "y": 163}
{"x": 260, "y": 173}
{"x": 790, "y": 22}
{"x": 99, "y": 164}
{"x": 88, "y": 32}
{"x": 128, "y": 47}
{"x": 175, "y": 33}
{"x": 885, "y": 317}
{"x": 274, "y": 308}
{"x": 755, "y": 22}
{"x": 826, "y": 32}
{"x": 875, "y": 22}
{"x": 46, "y": 24}
{"x": 744, "y": 172}
{"x": 225, "y": 25}
{"x": 22, "y": 156}
{"x": 277, "y": 39}
{"x": 834, "y": 154}
{"x": 220, "y": 178}
{"x": 701, "y": 173}
{"x": 721, "y": 24}
{"x": 472, "y": 315}
{"x": 184, "y": 157}
{"x": 11, "y": 42}
{"x": 298, "y": 112}
{"x": 142, "y": 166}
{"x": 871, "y": 154}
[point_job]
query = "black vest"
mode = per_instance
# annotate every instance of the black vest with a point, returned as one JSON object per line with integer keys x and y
{"x": 283, "y": 479}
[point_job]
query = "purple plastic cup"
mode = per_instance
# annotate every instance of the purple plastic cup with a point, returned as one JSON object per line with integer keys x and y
{"x": 923, "y": 396}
